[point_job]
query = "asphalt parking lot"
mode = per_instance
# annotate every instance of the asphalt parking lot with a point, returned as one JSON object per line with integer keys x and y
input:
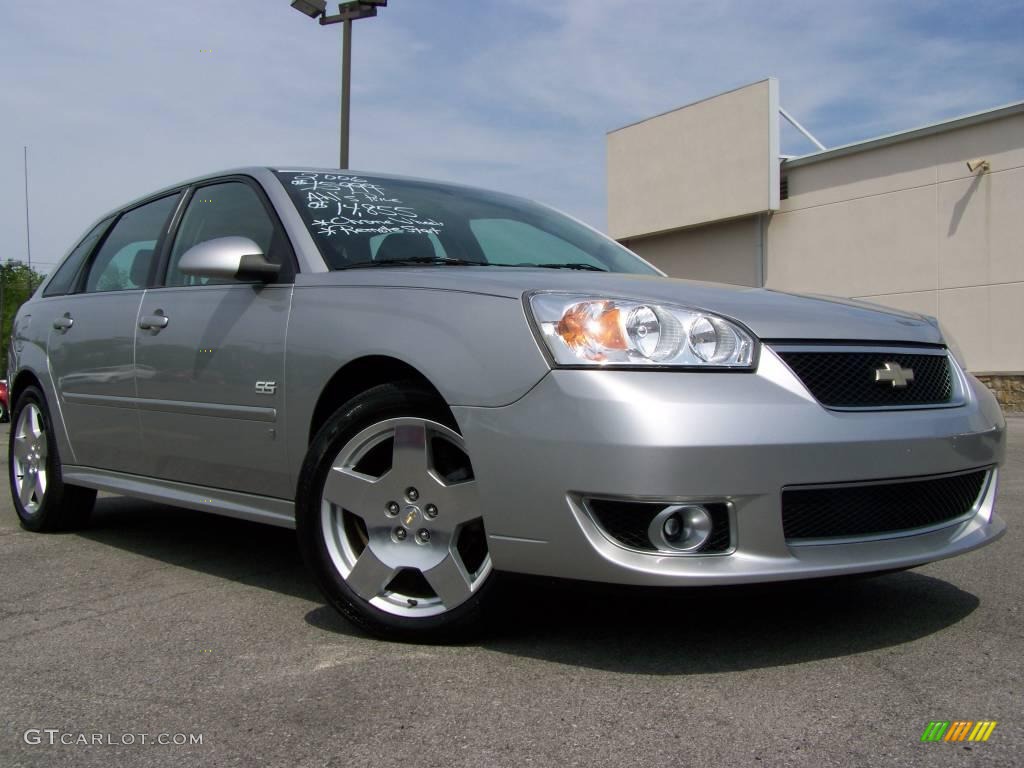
{"x": 164, "y": 621}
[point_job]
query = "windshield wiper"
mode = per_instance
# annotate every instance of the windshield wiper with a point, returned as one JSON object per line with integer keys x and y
{"x": 572, "y": 265}
{"x": 416, "y": 261}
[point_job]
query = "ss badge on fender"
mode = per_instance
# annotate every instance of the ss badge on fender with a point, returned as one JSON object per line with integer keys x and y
{"x": 266, "y": 387}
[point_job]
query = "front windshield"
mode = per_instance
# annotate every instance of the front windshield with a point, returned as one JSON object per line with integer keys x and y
{"x": 360, "y": 221}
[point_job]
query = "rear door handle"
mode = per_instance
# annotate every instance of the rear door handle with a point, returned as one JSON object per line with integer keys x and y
{"x": 63, "y": 323}
{"x": 153, "y": 322}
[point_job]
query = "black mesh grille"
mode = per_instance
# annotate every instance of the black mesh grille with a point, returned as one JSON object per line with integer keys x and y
{"x": 821, "y": 513}
{"x": 627, "y": 522}
{"x": 847, "y": 379}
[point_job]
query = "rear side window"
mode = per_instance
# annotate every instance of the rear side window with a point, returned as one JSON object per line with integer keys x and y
{"x": 65, "y": 275}
{"x": 124, "y": 259}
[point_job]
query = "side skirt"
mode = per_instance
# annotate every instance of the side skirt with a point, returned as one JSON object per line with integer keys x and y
{"x": 245, "y": 506}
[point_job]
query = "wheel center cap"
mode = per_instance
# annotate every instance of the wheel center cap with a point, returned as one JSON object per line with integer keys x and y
{"x": 410, "y": 514}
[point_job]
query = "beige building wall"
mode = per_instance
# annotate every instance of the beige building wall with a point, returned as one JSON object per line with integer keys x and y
{"x": 713, "y": 160}
{"x": 906, "y": 224}
{"x": 723, "y": 252}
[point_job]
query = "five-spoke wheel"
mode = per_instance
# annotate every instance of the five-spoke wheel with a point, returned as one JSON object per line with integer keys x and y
{"x": 41, "y": 498}
{"x": 394, "y": 529}
{"x": 396, "y": 504}
{"x": 29, "y": 458}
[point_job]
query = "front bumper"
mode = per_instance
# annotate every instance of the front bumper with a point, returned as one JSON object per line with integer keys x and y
{"x": 738, "y": 437}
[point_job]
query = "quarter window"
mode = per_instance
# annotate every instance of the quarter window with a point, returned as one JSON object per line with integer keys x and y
{"x": 221, "y": 210}
{"x": 65, "y": 275}
{"x": 124, "y": 259}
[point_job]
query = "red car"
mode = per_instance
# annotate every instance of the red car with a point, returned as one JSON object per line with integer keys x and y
{"x": 5, "y": 405}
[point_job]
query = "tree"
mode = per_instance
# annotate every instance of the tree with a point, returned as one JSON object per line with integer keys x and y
{"x": 17, "y": 282}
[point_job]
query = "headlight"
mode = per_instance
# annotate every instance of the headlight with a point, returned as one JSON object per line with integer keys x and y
{"x": 589, "y": 330}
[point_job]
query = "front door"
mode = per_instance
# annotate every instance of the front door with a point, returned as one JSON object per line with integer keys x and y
{"x": 209, "y": 356}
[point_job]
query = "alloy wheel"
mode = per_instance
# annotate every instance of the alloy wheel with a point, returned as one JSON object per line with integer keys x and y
{"x": 29, "y": 458}
{"x": 400, "y": 515}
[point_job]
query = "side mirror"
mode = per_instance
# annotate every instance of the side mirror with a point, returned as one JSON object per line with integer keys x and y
{"x": 228, "y": 258}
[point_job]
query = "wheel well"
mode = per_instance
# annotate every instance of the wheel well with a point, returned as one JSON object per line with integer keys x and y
{"x": 22, "y": 380}
{"x": 359, "y": 376}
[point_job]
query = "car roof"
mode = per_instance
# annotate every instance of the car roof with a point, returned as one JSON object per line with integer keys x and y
{"x": 264, "y": 173}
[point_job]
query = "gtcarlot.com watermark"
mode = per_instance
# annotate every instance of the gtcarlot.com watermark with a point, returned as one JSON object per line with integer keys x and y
{"x": 57, "y": 737}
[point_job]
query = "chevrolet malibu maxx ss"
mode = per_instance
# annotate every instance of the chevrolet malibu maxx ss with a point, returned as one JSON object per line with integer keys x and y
{"x": 434, "y": 384}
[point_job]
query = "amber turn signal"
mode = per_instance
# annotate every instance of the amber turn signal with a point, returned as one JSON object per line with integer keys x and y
{"x": 592, "y": 325}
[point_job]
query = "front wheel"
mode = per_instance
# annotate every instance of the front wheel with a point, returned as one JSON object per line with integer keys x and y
{"x": 389, "y": 517}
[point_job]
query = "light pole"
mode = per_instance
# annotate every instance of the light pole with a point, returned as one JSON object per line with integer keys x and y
{"x": 348, "y": 12}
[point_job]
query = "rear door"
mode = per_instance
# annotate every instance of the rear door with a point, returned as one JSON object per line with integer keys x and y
{"x": 91, "y": 335}
{"x": 210, "y": 372}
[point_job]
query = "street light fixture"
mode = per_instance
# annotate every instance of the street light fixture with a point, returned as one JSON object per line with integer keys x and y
{"x": 311, "y": 8}
{"x": 349, "y": 11}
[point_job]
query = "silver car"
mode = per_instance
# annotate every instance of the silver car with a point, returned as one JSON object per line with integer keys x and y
{"x": 434, "y": 384}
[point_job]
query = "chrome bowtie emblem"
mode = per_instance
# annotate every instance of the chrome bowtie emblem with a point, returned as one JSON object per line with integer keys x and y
{"x": 895, "y": 374}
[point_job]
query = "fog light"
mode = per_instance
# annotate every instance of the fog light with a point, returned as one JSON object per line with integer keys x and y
{"x": 680, "y": 528}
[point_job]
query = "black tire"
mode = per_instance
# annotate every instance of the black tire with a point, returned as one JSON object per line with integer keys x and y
{"x": 387, "y": 401}
{"x": 63, "y": 507}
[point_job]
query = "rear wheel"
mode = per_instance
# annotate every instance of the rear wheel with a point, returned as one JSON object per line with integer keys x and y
{"x": 41, "y": 498}
{"x": 389, "y": 517}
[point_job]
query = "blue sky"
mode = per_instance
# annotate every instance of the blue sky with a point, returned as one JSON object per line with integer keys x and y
{"x": 116, "y": 98}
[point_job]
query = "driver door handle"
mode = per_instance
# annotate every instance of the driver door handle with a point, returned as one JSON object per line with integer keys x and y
{"x": 63, "y": 323}
{"x": 153, "y": 322}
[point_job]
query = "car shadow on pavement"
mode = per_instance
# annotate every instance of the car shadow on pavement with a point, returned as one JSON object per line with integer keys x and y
{"x": 621, "y": 629}
{"x": 719, "y": 629}
{"x": 254, "y": 554}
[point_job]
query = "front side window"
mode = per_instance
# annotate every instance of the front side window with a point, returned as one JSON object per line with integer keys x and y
{"x": 221, "y": 210}
{"x": 124, "y": 260}
{"x": 361, "y": 221}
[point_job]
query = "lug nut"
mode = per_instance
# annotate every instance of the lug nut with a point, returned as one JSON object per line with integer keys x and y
{"x": 423, "y": 535}
{"x": 430, "y": 511}
{"x": 412, "y": 494}
{"x": 392, "y": 508}
{"x": 400, "y": 534}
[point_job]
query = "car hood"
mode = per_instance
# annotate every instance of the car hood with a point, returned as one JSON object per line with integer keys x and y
{"x": 770, "y": 314}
